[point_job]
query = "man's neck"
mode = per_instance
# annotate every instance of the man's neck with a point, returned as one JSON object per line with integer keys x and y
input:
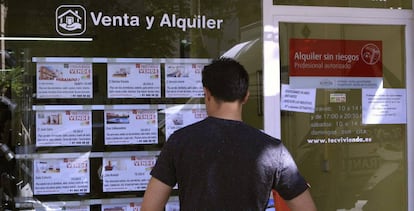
{"x": 226, "y": 110}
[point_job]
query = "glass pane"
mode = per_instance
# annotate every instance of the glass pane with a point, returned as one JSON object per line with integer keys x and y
{"x": 349, "y": 160}
{"x": 393, "y": 4}
{"x": 97, "y": 84}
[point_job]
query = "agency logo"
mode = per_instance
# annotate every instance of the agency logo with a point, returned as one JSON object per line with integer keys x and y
{"x": 326, "y": 83}
{"x": 371, "y": 53}
{"x": 70, "y": 20}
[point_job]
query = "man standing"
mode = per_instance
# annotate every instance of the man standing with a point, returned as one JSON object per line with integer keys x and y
{"x": 221, "y": 163}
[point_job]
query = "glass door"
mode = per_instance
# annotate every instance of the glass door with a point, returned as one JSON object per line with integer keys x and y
{"x": 340, "y": 104}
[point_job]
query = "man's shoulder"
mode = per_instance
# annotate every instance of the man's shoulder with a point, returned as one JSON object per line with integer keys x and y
{"x": 271, "y": 139}
{"x": 259, "y": 135}
{"x": 190, "y": 129}
{"x": 193, "y": 126}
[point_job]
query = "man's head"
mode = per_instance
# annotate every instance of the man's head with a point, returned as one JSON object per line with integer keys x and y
{"x": 226, "y": 80}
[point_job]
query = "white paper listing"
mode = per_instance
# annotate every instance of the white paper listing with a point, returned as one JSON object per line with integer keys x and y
{"x": 76, "y": 208}
{"x": 384, "y": 106}
{"x": 64, "y": 80}
{"x": 134, "y": 80}
{"x": 132, "y": 206}
{"x": 63, "y": 128}
{"x": 61, "y": 176}
{"x": 179, "y": 118}
{"x": 61, "y": 206}
{"x": 126, "y": 174}
{"x": 183, "y": 80}
{"x": 131, "y": 127}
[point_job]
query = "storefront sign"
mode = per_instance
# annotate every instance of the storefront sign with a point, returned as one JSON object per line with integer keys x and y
{"x": 339, "y": 121}
{"x": 71, "y": 20}
{"x": 131, "y": 127}
{"x": 317, "y": 63}
{"x": 63, "y": 128}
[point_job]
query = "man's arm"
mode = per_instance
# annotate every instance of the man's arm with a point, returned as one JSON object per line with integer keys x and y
{"x": 156, "y": 196}
{"x": 302, "y": 202}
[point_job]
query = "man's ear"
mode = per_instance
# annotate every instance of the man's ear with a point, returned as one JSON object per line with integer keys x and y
{"x": 246, "y": 97}
{"x": 207, "y": 94}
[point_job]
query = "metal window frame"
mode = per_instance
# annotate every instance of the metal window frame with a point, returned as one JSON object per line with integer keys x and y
{"x": 273, "y": 15}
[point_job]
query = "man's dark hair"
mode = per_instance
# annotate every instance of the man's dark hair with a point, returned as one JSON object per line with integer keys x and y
{"x": 226, "y": 79}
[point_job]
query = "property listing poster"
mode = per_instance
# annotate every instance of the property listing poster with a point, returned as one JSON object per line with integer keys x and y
{"x": 138, "y": 126}
{"x": 126, "y": 173}
{"x": 76, "y": 208}
{"x": 178, "y": 118}
{"x": 341, "y": 64}
{"x": 61, "y": 176}
{"x": 132, "y": 206}
{"x": 63, "y": 128}
{"x": 66, "y": 208}
{"x": 183, "y": 80}
{"x": 64, "y": 80}
{"x": 134, "y": 80}
{"x": 172, "y": 206}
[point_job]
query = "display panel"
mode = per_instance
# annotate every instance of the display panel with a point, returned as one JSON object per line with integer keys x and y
{"x": 134, "y": 80}
{"x": 126, "y": 174}
{"x": 183, "y": 81}
{"x": 108, "y": 83}
{"x": 63, "y": 128}
{"x": 131, "y": 126}
{"x": 402, "y": 4}
{"x": 64, "y": 80}
{"x": 352, "y": 139}
{"x": 61, "y": 176}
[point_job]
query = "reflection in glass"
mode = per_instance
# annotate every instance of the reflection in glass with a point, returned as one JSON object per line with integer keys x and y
{"x": 350, "y": 164}
{"x": 388, "y": 4}
{"x": 103, "y": 36}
